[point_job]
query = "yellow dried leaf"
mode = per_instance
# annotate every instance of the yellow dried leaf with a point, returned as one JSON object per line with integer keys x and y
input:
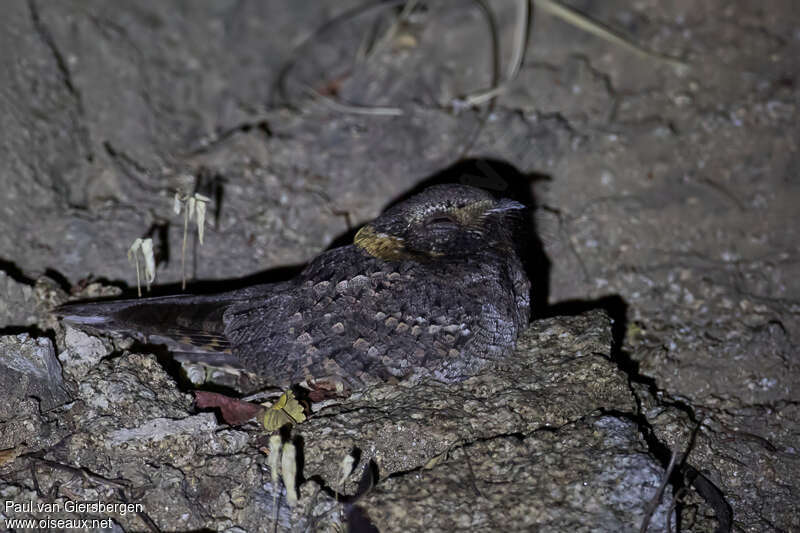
{"x": 275, "y": 419}
{"x": 285, "y": 410}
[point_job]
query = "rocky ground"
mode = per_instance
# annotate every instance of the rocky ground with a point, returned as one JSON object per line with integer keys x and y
{"x": 666, "y": 200}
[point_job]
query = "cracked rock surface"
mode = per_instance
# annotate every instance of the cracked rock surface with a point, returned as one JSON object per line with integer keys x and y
{"x": 586, "y": 475}
{"x": 523, "y": 443}
{"x": 667, "y": 197}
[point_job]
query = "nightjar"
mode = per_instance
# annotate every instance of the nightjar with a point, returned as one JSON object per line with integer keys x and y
{"x": 432, "y": 287}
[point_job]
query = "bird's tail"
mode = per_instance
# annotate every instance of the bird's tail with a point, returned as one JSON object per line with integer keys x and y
{"x": 139, "y": 314}
{"x": 187, "y": 324}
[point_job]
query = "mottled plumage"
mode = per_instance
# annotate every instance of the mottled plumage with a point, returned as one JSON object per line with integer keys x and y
{"x": 433, "y": 286}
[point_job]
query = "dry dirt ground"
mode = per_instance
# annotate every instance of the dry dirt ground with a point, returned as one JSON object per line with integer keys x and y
{"x": 665, "y": 195}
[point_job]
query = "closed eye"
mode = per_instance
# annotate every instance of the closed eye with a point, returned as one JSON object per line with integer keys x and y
{"x": 440, "y": 219}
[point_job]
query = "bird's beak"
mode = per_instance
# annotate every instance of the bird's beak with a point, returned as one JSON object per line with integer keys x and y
{"x": 505, "y": 205}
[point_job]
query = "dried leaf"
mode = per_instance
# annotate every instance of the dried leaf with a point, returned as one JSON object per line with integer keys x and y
{"x": 275, "y": 419}
{"x": 201, "y": 220}
{"x": 233, "y": 410}
{"x": 275, "y": 442}
{"x": 285, "y": 410}
{"x": 133, "y": 251}
{"x": 133, "y": 258}
{"x": 191, "y": 207}
{"x": 289, "y": 472}
{"x": 149, "y": 261}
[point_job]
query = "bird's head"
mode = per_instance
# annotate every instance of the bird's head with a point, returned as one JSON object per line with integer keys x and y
{"x": 442, "y": 221}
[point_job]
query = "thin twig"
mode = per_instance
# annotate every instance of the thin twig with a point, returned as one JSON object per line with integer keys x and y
{"x": 581, "y": 21}
{"x": 353, "y": 109}
{"x": 375, "y": 5}
{"x": 521, "y": 30}
{"x": 138, "y": 277}
{"x": 673, "y": 506}
{"x": 656, "y": 500}
{"x": 392, "y": 31}
{"x": 183, "y": 248}
{"x": 495, "y": 43}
